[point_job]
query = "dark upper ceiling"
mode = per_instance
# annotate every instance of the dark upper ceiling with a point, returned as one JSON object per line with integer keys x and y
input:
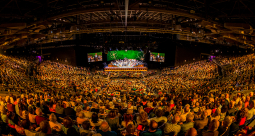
{"x": 25, "y": 22}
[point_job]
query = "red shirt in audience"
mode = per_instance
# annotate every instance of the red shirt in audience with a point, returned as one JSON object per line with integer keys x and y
{"x": 242, "y": 121}
{"x": 39, "y": 119}
{"x": 10, "y": 107}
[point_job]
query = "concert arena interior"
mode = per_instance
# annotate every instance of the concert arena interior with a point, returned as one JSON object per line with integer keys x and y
{"x": 127, "y": 68}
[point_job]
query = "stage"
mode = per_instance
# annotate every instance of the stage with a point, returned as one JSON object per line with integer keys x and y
{"x": 126, "y": 65}
{"x": 125, "y": 69}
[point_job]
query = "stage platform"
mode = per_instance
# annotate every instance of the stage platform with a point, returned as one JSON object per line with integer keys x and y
{"x": 125, "y": 69}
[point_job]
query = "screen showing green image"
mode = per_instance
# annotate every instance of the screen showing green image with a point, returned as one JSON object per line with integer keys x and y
{"x": 125, "y": 54}
{"x": 157, "y": 57}
{"x": 94, "y": 57}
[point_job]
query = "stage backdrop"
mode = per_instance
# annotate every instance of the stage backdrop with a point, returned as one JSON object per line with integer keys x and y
{"x": 157, "y": 57}
{"x": 121, "y": 54}
{"x": 94, "y": 57}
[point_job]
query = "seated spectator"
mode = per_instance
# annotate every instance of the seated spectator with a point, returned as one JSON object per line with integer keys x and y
{"x": 142, "y": 119}
{"x": 201, "y": 124}
{"x": 95, "y": 122}
{"x": 87, "y": 112}
{"x": 102, "y": 114}
{"x": 94, "y": 108}
{"x": 53, "y": 122}
{"x": 21, "y": 109}
{"x": 128, "y": 119}
{"x": 10, "y": 106}
{"x": 231, "y": 111}
{"x": 243, "y": 114}
{"x": 159, "y": 116}
{"x": 3, "y": 114}
{"x": 130, "y": 131}
{"x": 52, "y": 107}
{"x": 188, "y": 124}
{"x": 23, "y": 124}
{"x": 59, "y": 109}
{"x": 17, "y": 106}
{"x": 39, "y": 118}
{"x": 186, "y": 110}
{"x": 191, "y": 132}
{"x": 251, "y": 111}
{"x": 85, "y": 129}
{"x": 153, "y": 130}
{"x": 113, "y": 120}
{"x": 209, "y": 108}
{"x": 44, "y": 128}
{"x": 68, "y": 111}
{"x": 225, "y": 126}
{"x": 173, "y": 128}
{"x": 216, "y": 114}
{"x": 223, "y": 113}
{"x": 196, "y": 108}
{"x": 31, "y": 115}
{"x": 213, "y": 127}
{"x": 11, "y": 119}
{"x": 105, "y": 130}
{"x": 69, "y": 128}
{"x": 24, "y": 115}
{"x": 148, "y": 108}
{"x": 44, "y": 107}
{"x": 81, "y": 118}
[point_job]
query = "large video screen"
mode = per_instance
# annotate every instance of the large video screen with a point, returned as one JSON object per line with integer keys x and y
{"x": 157, "y": 57}
{"x": 94, "y": 57}
{"x": 122, "y": 54}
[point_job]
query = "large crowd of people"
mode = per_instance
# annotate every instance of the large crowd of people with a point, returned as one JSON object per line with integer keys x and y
{"x": 126, "y": 74}
{"x": 188, "y": 100}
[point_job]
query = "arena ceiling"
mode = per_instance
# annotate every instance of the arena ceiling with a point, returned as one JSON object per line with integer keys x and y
{"x": 227, "y": 22}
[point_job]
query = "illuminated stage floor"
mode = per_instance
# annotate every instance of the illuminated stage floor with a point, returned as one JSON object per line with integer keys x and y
{"x": 125, "y": 69}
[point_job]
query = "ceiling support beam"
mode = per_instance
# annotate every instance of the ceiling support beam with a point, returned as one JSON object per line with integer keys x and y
{"x": 5, "y": 5}
{"x": 126, "y": 11}
{"x": 247, "y": 7}
{"x": 141, "y": 9}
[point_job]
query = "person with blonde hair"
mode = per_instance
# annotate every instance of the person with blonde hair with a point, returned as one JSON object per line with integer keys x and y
{"x": 24, "y": 114}
{"x": 105, "y": 130}
{"x": 173, "y": 127}
{"x": 39, "y": 118}
{"x": 200, "y": 124}
{"x": 53, "y": 122}
{"x": 142, "y": 119}
{"x": 231, "y": 111}
{"x": 188, "y": 124}
{"x": 212, "y": 130}
{"x": 196, "y": 108}
{"x": 78, "y": 110}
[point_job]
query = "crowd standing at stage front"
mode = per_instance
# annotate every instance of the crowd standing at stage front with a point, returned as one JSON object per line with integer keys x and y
{"x": 188, "y": 100}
